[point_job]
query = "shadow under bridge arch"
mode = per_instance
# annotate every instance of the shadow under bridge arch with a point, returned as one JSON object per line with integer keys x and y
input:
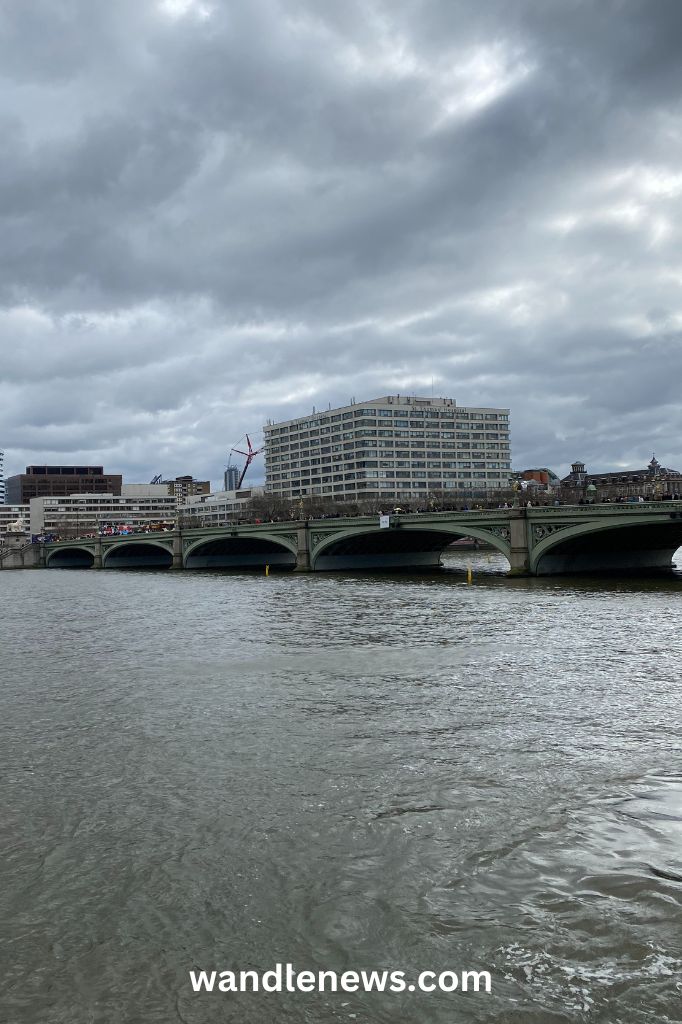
{"x": 610, "y": 547}
{"x": 70, "y": 558}
{"x": 246, "y": 552}
{"x": 400, "y": 547}
{"x": 137, "y": 555}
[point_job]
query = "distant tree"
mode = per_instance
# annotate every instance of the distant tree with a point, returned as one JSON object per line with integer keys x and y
{"x": 267, "y": 506}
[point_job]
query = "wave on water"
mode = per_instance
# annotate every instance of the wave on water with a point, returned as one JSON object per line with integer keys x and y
{"x": 599, "y": 905}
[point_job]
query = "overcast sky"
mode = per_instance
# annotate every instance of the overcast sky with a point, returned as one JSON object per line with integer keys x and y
{"x": 217, "y": 213}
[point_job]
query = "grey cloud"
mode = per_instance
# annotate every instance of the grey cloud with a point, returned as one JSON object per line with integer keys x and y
{"x": 207, "y": 221}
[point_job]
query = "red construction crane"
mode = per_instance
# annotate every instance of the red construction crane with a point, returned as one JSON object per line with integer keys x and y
{"x": 250, "y": 454}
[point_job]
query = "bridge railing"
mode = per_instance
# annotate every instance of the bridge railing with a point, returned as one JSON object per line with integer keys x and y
{"x": 607, "y": 509}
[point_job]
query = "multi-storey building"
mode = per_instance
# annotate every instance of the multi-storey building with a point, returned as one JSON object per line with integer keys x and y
{"x": 231, "y": 478}
{"x": 653, "y": 480}
{"x": 10, "y": 518}
{"x": 80, "y": 514}
{"x": 60, "y": 480}
{"x": 2, "y": 478}
{"x": 217, "y": 508}
{"x": 184, "y": 487}
{"x": 395, "y": 448}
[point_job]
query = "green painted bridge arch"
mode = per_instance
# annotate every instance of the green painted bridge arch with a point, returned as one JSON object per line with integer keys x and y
{"x": 138, "y": 552}
{"x": 235, "y": 548}
{"x": 607, "y": 538}
{"x": 414, "y": 544}
{"x": 70, "y": 556}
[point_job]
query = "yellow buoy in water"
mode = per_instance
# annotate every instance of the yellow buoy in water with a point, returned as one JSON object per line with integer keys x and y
{"x": 267, "y": 570}
{"x": 469, "y": 574}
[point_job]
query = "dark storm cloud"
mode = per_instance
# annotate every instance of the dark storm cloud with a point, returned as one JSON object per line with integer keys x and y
{"x": 217, "y": 213}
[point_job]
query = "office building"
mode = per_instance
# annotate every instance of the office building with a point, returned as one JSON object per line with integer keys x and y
{"x": 2, "y": 478}
{"x": 653, "y": 480}
{"x": 395, "y": 448}
{"x": 218, "y": 508}
{"x": 54, "y": 481}
{"x": 80, "y": 514}
{"x": 183, "y": 487}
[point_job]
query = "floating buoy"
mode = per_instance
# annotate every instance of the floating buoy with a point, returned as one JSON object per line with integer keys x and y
{"x": 267, "y": 570}
{"x": 469, "y": 574}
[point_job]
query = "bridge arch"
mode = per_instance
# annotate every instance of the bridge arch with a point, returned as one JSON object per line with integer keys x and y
{"x": 145, "y": 554}
{"x": 609, "y": 546}
{"x": 401, "y": 546}
{"x": 73, "y": 556}
{"x": 241, "y": 551}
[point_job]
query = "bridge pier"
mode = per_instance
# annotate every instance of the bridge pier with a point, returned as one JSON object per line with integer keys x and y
{"x": 519, "y": 555}
{"x": 177, "y": 550}
{"x": 302, "y": 549}
{"x": 97, "y": 555}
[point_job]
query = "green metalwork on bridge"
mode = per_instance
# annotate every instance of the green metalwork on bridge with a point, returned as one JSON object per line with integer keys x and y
{"x": 535, "y": 541}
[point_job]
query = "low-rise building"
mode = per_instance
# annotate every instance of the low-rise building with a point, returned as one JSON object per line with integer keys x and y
{"x": 219, "y": 507}
{"x": 541, "y": 479}
{"x": 77, "y": 515}
{"x": 654, "y": 481}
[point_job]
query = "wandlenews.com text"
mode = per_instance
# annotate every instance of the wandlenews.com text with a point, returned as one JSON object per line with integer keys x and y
{"x": 286, "y": 978}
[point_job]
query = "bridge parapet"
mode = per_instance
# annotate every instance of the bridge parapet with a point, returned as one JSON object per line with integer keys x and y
{"x": 605, "y": 509}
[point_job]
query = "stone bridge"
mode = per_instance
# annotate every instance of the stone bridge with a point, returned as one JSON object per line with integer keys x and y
{"x": 535, "y": 541}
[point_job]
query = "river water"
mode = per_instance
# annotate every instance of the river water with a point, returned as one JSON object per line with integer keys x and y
{"x": 343, "y": 772}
